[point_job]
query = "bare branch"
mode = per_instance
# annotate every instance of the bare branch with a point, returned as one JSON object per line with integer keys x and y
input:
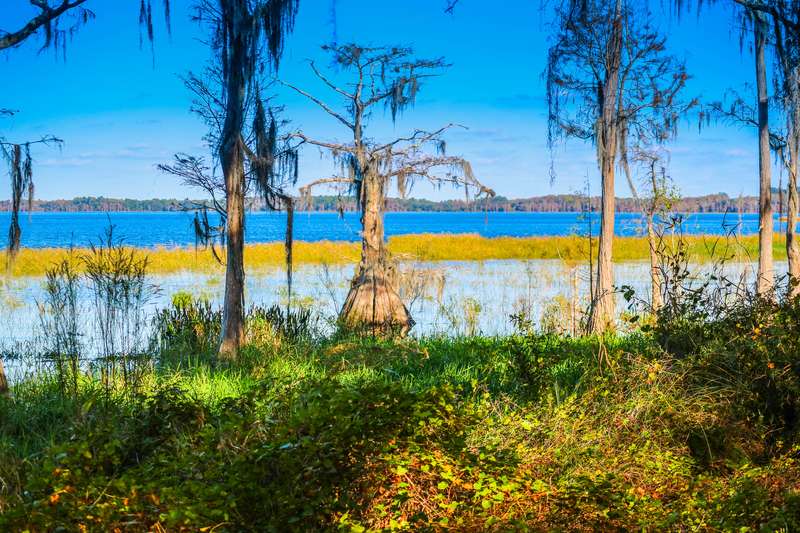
{"x": 322, "y": 144}
{"x": 330, "y": 83}
{"x": 419, "y": 137}
{"x": 322, "y": 104}
{"x": 451, "y": 5}
{"x": 44, "y": 19}
{"x": 306, "y": 189}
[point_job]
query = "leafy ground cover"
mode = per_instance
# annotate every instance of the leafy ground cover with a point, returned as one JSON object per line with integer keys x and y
{"x": 687, "y": 425}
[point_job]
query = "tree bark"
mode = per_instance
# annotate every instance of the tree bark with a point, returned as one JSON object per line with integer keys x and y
{"x": 766, "y": 269}
{"x": 373, "y": 305}
{"x": 601, "y": 317}
{"x": 3, "y": 380}
{"x": 232, "y": 160}
{"x": 657, "y": 299}
{"x": 792, "y": 246}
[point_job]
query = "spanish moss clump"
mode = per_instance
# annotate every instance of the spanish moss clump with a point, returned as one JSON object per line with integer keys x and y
{"x": 49, "y": 22}
{"x": 20, "y": 170}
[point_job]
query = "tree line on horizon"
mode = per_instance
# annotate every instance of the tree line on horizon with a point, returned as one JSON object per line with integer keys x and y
{"x": 610, "y": 81}
{"x": 552, "y": 203}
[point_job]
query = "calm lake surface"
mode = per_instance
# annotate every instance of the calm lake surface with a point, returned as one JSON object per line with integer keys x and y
{"x": 41, "y": 230}
{"x": 450, "y": 298}
{"x": 445, "y": 298}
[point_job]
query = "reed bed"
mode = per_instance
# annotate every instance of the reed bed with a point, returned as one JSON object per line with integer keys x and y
{"x": 415, "y": 247}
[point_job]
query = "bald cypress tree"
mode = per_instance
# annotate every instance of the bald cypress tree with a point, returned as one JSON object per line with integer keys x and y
{"x": 388, "y": 78}
{"x": 610, "y": 80}
{"x": 766, "y": 268}
{"x": 247, "y": 38}
{"x": 776, "y": 22}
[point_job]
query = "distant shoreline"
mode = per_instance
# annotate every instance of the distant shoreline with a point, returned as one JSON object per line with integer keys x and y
{"x": 559, "y": 203}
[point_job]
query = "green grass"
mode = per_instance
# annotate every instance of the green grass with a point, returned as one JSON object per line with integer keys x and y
{"x": 469, "y": 434}
{"x": 425, "y": 247}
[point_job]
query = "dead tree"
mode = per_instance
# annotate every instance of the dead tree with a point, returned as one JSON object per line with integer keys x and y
{"x": 609, "y": 79}
{"x": 247, "y": 39}
{"x": 659, "y": 198}
{"x": 389, "y": 78}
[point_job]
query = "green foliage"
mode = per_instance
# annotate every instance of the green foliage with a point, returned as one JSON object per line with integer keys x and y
{"x": 292, "y": 325}
{"x": 190, "y": 327}
{"x": 469, "y": 434}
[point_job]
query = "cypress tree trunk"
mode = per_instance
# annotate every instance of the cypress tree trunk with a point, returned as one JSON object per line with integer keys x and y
{"x": 231, "y": 158}
{"x": 373, "y": 306}
{"x": 766, "y": 270}
{"x": 233, "y": 309}
{"x": 792, "y": 246}
{"x": 602, "y": 313}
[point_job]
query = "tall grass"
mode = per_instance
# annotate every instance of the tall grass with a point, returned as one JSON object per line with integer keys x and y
{"x": 420, "y": 247}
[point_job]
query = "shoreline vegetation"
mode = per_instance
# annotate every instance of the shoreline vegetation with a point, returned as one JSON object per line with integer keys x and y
{"x": 416, "y": 247}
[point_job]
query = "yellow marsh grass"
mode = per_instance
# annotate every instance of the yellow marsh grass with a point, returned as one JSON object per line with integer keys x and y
{"x": 423, "y": 247}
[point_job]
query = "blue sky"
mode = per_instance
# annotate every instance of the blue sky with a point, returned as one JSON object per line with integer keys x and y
{"x": 121, "y": 112}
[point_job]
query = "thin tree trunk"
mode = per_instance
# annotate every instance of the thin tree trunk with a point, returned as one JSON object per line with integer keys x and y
{"x": 766, "y": 269}
{"x": 232, "y": 160}
{"x": 373, "y": 305}
{"x": 3, "y": 380}
{"x": 233, "y": 310}
{"x": 656, "y": 300}
{"x": 792, "y": 246}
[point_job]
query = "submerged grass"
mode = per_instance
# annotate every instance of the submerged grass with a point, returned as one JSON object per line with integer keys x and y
{"x": 422, "y": 247}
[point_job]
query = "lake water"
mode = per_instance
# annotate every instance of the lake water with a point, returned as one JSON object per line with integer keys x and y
{"x": 445, "y": 298}
{"x": 175, "y": 228}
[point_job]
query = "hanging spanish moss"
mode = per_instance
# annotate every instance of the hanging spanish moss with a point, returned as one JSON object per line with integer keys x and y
{"x": 272, "y": 169}
{"x": 50, "y": 22}
{"x": 288, "y": 244}
{"x": 247, "y": 38}
{"x": 20, "y": 170}
{"x": 610, "y": 82}
{"x": 207, "y": 234}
